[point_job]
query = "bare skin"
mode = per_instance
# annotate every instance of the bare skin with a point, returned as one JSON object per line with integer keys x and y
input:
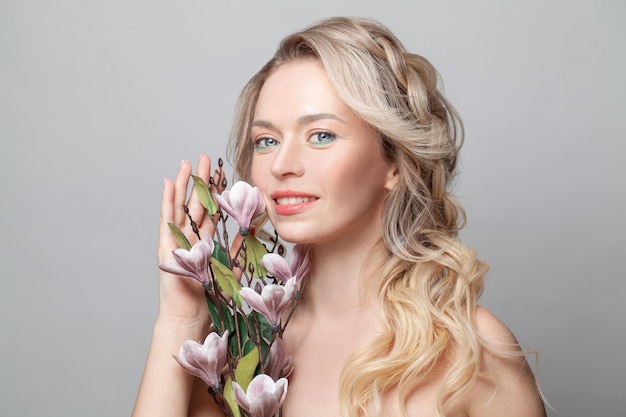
{"x": 323, "y": 346}
{"x": 319, "y": 337}
{"x": 166, "y": 388}
{"x": 306, "y": 138}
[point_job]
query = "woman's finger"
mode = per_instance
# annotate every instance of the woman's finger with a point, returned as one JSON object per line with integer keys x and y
{"x": 167, "y": 216}
{"x": 180, "y": 193}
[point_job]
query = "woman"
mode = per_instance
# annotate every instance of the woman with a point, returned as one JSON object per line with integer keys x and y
{"x": 353, "y": 147}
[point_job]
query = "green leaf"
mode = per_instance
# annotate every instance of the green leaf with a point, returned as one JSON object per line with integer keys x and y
{"x": 233, "y": 347}
{"x": 257, "y": 322}
{"x": 226, "y": 280}
{"x": 219, "y": 254}
{"x": 242, "y": 323}
{"x": 180, "y": 236}
{"x": 263, "y": 325}
{"x": 235, "y": 340}
{"x": 243, "y": 375}
{"x": 214, "y": 312}
{"x": 255, "y": 251}
{"x": 229, "y": 319}
{"x": 248, "y": 347}
{"x": 204, "y": 195}
{"x": 246, "y": 367}
{"x": 230, "y": 397}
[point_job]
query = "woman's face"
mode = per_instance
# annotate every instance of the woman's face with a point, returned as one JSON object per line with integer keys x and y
{"x": 318, "y": 165}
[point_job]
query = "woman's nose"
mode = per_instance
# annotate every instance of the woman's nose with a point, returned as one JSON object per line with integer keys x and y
{"x": 288, "y": 160}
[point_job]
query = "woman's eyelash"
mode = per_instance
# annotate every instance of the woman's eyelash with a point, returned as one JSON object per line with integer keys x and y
{"x": 265, "y": 142}
{"x": 323, "y": 137}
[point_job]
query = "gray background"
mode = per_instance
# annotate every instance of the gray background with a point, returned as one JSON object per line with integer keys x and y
{"x": 100, "y": 100}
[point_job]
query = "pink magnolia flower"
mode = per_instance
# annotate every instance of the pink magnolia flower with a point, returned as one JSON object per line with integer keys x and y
{"x": 205, "y": 361}
{"x": 278, "y": 363}
{"x": 272, "y": 301}
{"x": 277, "y": 266}
{"x": 300, "y": 263}
{"x": 243, "y": 202}
{"x": 298, "y": 267}
{"x": 193, "y": 263}
{"x": 264, "y": 396}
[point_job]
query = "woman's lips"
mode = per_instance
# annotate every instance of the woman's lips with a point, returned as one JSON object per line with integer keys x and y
{"x": 291, "y": 202}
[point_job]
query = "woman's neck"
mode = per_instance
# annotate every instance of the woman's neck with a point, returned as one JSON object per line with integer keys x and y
{"x": 338, "y": 270}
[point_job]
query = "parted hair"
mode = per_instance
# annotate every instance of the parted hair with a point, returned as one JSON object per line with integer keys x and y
{"x": 428, "y": 283}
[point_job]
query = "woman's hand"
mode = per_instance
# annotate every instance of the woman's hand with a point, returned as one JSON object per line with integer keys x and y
{"x": 182, "y": 299}
{"x": 166, "y": 388}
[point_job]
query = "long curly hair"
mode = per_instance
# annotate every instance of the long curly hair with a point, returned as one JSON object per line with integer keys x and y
{"x": 428, "y": 283}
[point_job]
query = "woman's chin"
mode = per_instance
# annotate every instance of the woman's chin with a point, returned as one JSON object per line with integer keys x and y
{"x": 297, "y": 239}
{"x": 293, "y": 236}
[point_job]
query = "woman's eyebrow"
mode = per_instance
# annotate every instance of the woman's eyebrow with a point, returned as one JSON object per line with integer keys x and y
{"x": 302, "y": 120}
{"x": 309, "y": 118}
{"x": 263, "y": 123}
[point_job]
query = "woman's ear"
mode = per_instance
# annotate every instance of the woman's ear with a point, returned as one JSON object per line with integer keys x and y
{"x": 392, "y": 176}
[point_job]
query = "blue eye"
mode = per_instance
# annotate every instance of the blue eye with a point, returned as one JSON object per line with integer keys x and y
{"x": 264, "y": 143}
{"x": 323, "y": 137}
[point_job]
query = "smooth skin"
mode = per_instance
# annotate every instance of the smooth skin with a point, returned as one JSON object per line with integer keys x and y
{"x": 313, "y": 144}
{"x": 166, "y": 388}
{"x": 323, "y": 176}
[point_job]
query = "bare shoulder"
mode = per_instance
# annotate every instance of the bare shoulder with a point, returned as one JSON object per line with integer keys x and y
{"x": 506, "y": 385}
{"x": 493, "y": 329}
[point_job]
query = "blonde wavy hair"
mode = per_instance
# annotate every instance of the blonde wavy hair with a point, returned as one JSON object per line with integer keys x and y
{"x": 428, "y": 284}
